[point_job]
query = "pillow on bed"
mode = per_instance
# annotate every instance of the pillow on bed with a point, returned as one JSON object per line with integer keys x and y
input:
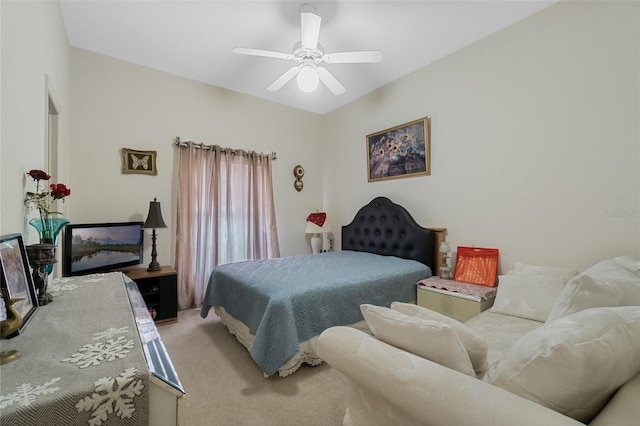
{"x": 575, "y": 364}
{"x": 566, "y": 273}
{"x": 433, "y": 340}
{"x": 527, "y": 296}
{"x": 585, "y": 291}
{"x": 473, "y": 342}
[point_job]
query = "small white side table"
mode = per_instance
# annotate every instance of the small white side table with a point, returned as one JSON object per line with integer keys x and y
{"x": 455, "y": 299}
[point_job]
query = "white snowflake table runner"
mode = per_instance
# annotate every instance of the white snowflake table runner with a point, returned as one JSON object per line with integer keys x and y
{"x": 82, "y": 362}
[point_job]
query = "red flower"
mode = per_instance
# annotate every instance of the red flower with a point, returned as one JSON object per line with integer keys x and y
{"x": 38, "y": 174}
{"x": 43, "y": 198}
{"x": 59, "y": 190}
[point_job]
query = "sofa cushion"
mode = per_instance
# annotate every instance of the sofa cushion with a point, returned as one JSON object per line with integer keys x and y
{"x": 629, "y": 263}
{"x": 623, "y": 408}
{"x": 586, "y": 291}
{"x": 529, "y": 296}
{"x": 473, "y": 342}
{"x": 610, "y": 269}
{"x": 433, "y": 340}
{"x": 573, "y": 365}
{"x": 524, "y": 268}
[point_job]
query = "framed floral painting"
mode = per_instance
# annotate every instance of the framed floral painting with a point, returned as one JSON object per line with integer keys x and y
{"x": 401, "y": 151}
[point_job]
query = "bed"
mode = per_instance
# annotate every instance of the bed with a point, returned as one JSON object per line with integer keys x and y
{"x": 277, "y": 307}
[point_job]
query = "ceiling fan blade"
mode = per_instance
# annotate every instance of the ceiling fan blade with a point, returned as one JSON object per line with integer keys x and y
{"x": 259, "y": 52}
{"x": 330, "y": 81}
{"x": 284, "y": 79}
{"x": 309, "y": 29}
{"x": 353, "y": 57}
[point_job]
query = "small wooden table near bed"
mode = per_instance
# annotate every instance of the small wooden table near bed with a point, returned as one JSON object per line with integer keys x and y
{"x": 278, "y": 307}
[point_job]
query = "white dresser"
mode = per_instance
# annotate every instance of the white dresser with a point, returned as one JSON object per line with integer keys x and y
{"x": 92, "y": 356}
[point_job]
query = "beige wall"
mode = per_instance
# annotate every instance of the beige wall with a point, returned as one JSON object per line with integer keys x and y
{"x": 534, "y": 140}
{"x": 117, "y": 104}
{"x": 35, "y": 62}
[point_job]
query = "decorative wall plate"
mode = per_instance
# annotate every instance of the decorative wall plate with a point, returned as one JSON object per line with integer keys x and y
{"x": 298, "y": 172}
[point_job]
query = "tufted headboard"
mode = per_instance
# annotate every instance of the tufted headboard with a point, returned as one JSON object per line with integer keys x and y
{"x": 386, "y": 228}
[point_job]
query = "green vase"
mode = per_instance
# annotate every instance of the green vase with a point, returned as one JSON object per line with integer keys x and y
{"x": 48, "y": 231}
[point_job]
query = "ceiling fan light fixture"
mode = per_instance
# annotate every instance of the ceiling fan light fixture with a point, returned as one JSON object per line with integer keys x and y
{"x": 308, "y": 54}
{"x": 307, "y": 79}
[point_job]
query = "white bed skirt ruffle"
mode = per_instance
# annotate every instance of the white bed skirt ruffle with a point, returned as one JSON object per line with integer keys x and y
{"x": 308, "y": 352}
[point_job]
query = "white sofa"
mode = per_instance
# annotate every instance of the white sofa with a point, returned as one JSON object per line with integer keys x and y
{"x": 557, "y": 348}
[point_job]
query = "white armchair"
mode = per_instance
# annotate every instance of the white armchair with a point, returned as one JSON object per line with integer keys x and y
{"x": 581, "y": 365}
{"x": 388, "y": 386}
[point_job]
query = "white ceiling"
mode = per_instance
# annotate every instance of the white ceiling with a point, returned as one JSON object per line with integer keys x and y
{"x": 195, "y": 39}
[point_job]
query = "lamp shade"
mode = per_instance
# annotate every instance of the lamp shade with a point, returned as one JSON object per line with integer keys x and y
{"x": 317, "y": 223}
{"x": 312, "y": 228}
{"x": 444, "y": 247}
{"x": 154, "y": 218}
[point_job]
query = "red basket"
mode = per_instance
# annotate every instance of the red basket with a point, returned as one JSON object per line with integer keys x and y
{"x": 476, "y": 265}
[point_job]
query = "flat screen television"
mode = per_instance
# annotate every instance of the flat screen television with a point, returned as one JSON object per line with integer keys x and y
{"x": 101, "y": 247}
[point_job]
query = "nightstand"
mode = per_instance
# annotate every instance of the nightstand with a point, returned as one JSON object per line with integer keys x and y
{"x": 159, "y": 290}
{"x": 455, "y": 299}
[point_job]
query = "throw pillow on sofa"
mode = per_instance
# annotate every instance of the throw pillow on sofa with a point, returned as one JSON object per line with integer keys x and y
{"x": 473, "y": 342}
{"x": 529, "y": 296}
{"x": 524, "y": 268}
{"x": 433, "y": 340}
{"x": 629, "y": 263}
{"x": 611, "y": 269}
{"x": 586, "y": 291}
{"x": 575, "y": 364}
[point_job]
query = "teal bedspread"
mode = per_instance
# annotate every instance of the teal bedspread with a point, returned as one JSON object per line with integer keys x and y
{"x": 288, "y": 300}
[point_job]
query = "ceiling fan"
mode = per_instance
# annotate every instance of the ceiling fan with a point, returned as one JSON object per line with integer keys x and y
{"x": 308, "y": 55}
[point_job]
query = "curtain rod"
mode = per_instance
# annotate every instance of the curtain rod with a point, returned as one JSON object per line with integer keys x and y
{"x": 181, "y": 144}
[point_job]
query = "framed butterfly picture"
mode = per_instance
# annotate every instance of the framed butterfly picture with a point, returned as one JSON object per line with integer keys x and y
{"x": 139, "y": 162}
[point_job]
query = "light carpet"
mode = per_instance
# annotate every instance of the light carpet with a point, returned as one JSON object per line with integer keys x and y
{"x": 225, "y": 387}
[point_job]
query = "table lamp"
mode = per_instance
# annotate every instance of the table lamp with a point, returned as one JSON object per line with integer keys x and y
{"x": 317, "y": 224}
{"x": 154, "y": 220}
{"x": 445, "y": 271}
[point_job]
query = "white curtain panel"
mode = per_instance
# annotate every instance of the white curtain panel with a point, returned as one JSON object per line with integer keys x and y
{"x": 226, "y": 214}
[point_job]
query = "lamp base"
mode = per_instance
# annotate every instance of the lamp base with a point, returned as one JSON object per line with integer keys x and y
{"x": 445, "y": 272}
{"x": 316, "y": 243}
{"x": 154, "y": 265}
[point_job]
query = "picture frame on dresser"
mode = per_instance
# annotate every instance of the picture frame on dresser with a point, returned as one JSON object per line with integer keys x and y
{"x": 15, "y": 277}
{"x": 400, "y": 151}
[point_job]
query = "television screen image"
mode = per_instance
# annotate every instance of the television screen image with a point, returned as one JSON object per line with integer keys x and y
{"x": 101, "y": 247}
